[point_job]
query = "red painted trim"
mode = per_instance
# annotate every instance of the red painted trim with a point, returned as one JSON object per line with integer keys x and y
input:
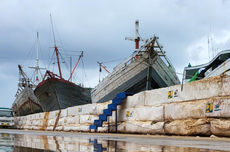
{"x": 35, "y": 103}
{"x": 23, "y": 105}
{"x": 54, "y": 79}
{"x": 27, "y": 102}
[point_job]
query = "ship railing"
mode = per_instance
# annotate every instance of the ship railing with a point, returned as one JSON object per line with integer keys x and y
{"x": 50, "y": 74}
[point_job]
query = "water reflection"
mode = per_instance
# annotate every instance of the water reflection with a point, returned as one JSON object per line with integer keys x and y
{"x": 6, "y": 142}
{"x": 40, "y": 143}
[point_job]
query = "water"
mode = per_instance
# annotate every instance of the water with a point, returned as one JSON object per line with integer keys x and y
{"x": 22, "y": 141}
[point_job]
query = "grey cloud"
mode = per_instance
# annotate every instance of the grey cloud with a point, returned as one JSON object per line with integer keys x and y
{"x": 99, "y": 29}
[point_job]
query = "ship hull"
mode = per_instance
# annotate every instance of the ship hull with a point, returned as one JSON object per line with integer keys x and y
{"x": 26, "y": 103}
{"x": 133, "y": 78}
{"x": 55, "y": 94}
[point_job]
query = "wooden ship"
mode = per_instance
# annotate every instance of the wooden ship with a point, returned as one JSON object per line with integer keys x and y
{"x": 55, "y": 92}
{"x": 147, "y": 68}
{"x": 25, "y": 102}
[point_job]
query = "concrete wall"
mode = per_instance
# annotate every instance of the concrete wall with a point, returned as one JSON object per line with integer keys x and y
{"x": 201, "y": 108}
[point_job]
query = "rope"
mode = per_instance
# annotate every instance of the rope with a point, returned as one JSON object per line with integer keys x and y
{"x": 114, "y": 60}
{"x": 29, "y": 52}
{"x": 85, "y": 72}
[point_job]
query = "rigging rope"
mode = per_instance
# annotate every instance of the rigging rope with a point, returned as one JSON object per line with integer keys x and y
{"x": 114, "y": 60}
{"x": 51, "y": 60}
{"x": 85, "y": 72}
{"x": 29, "y": 52}
{"x": 43, "y": 59}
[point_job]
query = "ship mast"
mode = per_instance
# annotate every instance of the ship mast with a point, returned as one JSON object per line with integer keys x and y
{"x": 137, "y": 39}
{"x": 37, "y": 67}
{"x": 37, "y": 63}
{"x": 56, "y": 49}
{"x": 137, "y": 36}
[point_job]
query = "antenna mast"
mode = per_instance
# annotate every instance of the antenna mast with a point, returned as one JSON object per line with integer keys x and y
{"x": 212, "y": 42}
{"x": 208, "y": 49}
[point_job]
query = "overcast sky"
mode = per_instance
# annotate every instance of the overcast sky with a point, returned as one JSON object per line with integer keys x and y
{"x": 98, "y": 28}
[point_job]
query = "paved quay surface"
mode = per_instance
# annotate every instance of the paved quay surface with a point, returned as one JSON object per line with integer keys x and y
{"x": 217, "y": 143}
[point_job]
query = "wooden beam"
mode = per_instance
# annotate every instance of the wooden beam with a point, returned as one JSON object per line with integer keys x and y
{"x": 58, "y": 116}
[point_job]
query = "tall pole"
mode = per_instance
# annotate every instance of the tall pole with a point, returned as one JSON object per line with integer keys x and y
{"x": 137, "y": 37}
{"x": 211, "y": 42}
{"x": 149, "y": 74}
{"x": 208, "y": 50}
{"x": 70, "y": 67}
{"x": 56, "y": 49}
{"x": 37, "y": 80}
{"x": 37, "y": 66}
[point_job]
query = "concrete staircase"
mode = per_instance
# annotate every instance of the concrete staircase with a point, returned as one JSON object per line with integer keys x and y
{"x": 109, "y": 111}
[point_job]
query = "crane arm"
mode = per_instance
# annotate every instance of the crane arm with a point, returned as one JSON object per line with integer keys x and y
{"x": 102, "y": 66}
{"x": 76, "y": 65}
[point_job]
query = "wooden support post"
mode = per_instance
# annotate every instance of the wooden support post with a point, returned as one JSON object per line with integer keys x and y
{"x": 149, "y": 78}
{"x": 58, "y": 116}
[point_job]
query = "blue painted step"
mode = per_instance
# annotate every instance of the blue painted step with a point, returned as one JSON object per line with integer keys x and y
{"x": 92, "y": 127}
{"x": 103, "y": 117}
{"x": 98, "y": 122}
{"x": 116, "y": 101}
{"x": 123, "y": 95}
{"x": 112, "y": 106}
{"x": 109, "y": 111}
